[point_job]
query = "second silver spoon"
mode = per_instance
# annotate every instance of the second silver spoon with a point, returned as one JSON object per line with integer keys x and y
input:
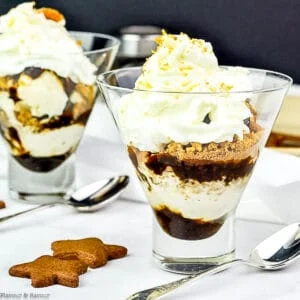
{"x": 274, "y": 253}
{"x": 88, "y": 198}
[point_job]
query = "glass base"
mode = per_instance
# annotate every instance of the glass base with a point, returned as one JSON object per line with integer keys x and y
{"x": 193, "y": 256}
{"x": 190, "y": 265}
{"x": 41, "y": 187}
{"x": 39, "y": 198}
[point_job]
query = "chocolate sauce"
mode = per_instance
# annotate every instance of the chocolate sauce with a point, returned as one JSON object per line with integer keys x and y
{"x": 57, "y": 122}
{"x": 69, "y": 117}
{"x": 139, "y": 174}
{"x": 69, "y": 85}
{"x": 13, "y": 94}
{"x": 186, "y": 229}
{"x": 133, "y": 157}
{"x": 201, "y": 170}
{"x": 14, "y": 141}
{"x": 33, "y": 72}
{"x": 41, "y": 164}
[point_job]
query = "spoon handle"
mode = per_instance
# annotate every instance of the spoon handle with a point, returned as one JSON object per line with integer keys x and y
{"x": 3, "y": 219}
{"x": 158, "y": 291}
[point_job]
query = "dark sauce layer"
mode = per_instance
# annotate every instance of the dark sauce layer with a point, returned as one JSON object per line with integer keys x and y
{"x": 13, "y": 94}
{"x": 186, "y": 229}
{"x": 41, "y": 164}
{"x": 200, "y": 170}
{"x": 34, "y": 73}
{"x": 67, "y": 118}
{"x": 139, "y": 174}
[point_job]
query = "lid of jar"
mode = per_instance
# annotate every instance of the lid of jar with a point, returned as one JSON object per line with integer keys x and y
{"x": 138, "y": 41}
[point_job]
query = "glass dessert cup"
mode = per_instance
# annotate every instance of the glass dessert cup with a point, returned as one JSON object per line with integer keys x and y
{"x": 194, "y": 188}
{"x": 101, "y": 49}
{"x": 43, "y": 116}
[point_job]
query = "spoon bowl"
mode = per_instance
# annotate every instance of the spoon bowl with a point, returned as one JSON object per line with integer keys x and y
{"x": 88, "y": 198}
{"x": 97, "y": 194}
{"x": 274, "y": 253}
{"x": 278, "y": 250}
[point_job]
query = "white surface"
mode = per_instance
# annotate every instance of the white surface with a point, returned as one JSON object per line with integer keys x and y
{"x": 128, "y": 223}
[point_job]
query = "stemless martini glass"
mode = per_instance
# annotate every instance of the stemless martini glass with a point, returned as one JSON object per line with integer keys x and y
{"x": 193, "y": 189}
{"x": 43, "y": 117}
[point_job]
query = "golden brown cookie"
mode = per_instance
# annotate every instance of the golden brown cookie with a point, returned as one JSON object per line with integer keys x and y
{"x": 2, "y": 204}
{"x": 48, "y": 270}
{"x": 91, "y": 251}
{"x": 115, "y": 251}
{"x": 51, "y": 14}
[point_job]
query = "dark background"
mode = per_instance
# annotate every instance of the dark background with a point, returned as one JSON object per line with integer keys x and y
{"x": 254, "y": 33}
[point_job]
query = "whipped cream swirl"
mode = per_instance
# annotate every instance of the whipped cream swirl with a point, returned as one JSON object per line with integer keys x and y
{"x": 29, "y": 39}
{"x": 201, "y": 109}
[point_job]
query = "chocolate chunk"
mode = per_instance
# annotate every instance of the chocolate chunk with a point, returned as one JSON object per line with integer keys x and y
{"x": 207, "y": 119}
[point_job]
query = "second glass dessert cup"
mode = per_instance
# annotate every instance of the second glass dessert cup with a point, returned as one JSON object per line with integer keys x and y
{"x": 193, "y": 188}
{"x": 43, "y": 115}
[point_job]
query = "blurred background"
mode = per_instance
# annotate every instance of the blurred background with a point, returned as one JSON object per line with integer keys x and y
{"x": 254, "y": 33}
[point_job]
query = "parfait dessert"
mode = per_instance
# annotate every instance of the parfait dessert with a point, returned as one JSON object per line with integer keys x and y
{"x": 47, "y": 87}
{"x": 194, "y": 131}
{"x": 194, "y": 146}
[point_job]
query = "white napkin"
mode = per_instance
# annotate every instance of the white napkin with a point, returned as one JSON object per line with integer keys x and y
{"x": 273, "y": 193}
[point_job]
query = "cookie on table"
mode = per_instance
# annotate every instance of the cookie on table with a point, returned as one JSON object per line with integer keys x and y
{"x": 48, "y": 270}
{"x": 92, "y": 251}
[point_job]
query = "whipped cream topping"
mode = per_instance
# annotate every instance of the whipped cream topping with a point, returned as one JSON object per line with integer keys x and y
{"x": 29, "y": 39}
{"x": 149, "y": 120}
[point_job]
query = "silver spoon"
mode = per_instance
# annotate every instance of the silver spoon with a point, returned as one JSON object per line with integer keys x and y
{"x": 88, "y": 198}
{"x": 274, "y": 253}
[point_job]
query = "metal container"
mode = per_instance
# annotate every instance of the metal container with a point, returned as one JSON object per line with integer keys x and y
{"x": 137, "y": 43}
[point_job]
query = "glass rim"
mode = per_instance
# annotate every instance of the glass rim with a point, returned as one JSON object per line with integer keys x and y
{"x": 115, "y": 40}
{"x": 287, "y": 81}
{"x": 115, "y": 45}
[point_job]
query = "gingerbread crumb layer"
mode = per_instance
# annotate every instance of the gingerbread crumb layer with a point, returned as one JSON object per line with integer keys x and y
{"x": 236, "y": 150}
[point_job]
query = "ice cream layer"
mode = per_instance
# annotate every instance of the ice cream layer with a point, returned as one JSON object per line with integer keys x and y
{"x": 207, "y": 201}
{"x": 195, "y": 181}
{"x": 39, "y": 144}
{"x": 202, "y": 108}
{"x": 29, "y": 39}
{"x": 44, "y": 95}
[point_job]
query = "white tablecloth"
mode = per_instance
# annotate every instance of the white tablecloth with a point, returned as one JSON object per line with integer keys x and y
{"x": 128, "y": 222}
